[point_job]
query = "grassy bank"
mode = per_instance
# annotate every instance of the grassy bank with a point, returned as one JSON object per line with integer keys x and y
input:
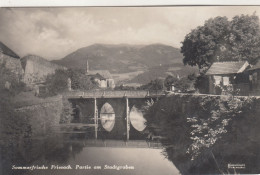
{"x": 206, "y": 133}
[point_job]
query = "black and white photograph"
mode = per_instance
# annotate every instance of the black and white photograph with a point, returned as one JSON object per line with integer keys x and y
{"x": 130, "y": 90}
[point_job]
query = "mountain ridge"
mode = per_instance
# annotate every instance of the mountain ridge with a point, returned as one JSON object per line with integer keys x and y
{"x": 130, "y": 63}
{"x": 121, "y": 58}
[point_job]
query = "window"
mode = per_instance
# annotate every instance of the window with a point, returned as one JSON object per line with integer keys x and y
{"x": 226, "y": 81}
{"x": 217, "y": 79}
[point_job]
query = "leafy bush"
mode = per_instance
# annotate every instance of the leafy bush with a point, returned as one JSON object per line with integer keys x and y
{"x": 183, "y": 84}
{"x": 157, "y": 84}
{"x": 80, "y": 81}
{"x": 202, "y": 84}
{"x": 58, "y": 82}
{"x": 67, "y": 112}
{"x": 205, "y": 133}
{"x": 169, "y": 80}
{"x": 125, "y": 88}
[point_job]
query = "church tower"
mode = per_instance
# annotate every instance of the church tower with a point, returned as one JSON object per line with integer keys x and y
{"x": 87, "y": 68}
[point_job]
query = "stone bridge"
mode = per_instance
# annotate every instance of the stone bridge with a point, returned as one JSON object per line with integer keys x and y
{"x": 112, "y": 114}
{"x": 114, "y": 94}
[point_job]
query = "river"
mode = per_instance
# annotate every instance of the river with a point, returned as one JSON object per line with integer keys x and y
{"x": 69, "y": 155}
{"x": 201, "y": 136}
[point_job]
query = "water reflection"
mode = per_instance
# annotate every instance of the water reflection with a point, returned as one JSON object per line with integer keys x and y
{"x": 143, "y": 160}
{"x": 82, "y": 155}
{"x": 137, "y": 119}
{"x": 107, "y": 116}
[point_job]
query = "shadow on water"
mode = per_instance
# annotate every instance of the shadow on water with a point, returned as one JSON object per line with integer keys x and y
{"x": 121, "y": 157}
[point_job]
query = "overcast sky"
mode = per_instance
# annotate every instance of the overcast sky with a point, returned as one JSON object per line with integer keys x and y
{"x": 55, "y": 32}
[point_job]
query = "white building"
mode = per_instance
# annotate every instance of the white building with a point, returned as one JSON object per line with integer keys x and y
{"x": 102, "y": 77}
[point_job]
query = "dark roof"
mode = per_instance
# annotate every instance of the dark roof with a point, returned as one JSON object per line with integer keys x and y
{"x": 104, "y": 73}
{"x": 5, "y": 50}
{"x": 231, "y": 67}
{"x": 257, "y": 66}
{"x": 98, "y": 76}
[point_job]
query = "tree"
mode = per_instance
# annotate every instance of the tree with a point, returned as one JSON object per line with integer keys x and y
{"x": 183, "y": 84}
{"x": 79, "y": 80}
{"x": 125, "y": 88}
{"x": 245, "y": 38}
{"x": 157, "y": 84}
{"x": 222, "y": 40}
{"x": 169, "y": 80}
{"x": 202, "y": 84}
{"x": 57, "y": 82}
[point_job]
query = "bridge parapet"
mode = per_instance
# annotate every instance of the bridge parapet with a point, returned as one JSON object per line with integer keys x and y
{"x": 113, "y": 94}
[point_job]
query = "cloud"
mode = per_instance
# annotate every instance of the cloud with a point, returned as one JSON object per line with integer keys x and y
{"x": 55, "y": 32}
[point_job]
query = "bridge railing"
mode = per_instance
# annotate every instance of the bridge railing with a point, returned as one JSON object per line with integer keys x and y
{"x": 114, "y": 94}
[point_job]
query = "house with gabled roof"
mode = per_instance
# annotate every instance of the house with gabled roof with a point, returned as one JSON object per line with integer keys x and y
{"x": 230, "y": 73}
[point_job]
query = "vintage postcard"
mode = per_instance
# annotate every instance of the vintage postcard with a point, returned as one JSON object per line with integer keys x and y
{"x": 130, "y": 90}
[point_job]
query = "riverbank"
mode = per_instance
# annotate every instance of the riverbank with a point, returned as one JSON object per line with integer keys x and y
{"x": 206, "y": 133}
{"x": 26, "y": 122}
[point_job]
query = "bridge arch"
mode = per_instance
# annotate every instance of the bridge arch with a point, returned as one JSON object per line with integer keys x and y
{"x": 137, "y": 119}
{"x": 107, "y": 117}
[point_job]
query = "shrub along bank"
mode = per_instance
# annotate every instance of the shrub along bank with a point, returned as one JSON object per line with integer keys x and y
{"x": 205, "y": 134}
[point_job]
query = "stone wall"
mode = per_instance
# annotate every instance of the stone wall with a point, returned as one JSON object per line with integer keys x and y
{"x": 13, "y": 64}
{"x": 37, "y": 69}
{"x": 27, "y": 132}
{"x": 43, "y": 118}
